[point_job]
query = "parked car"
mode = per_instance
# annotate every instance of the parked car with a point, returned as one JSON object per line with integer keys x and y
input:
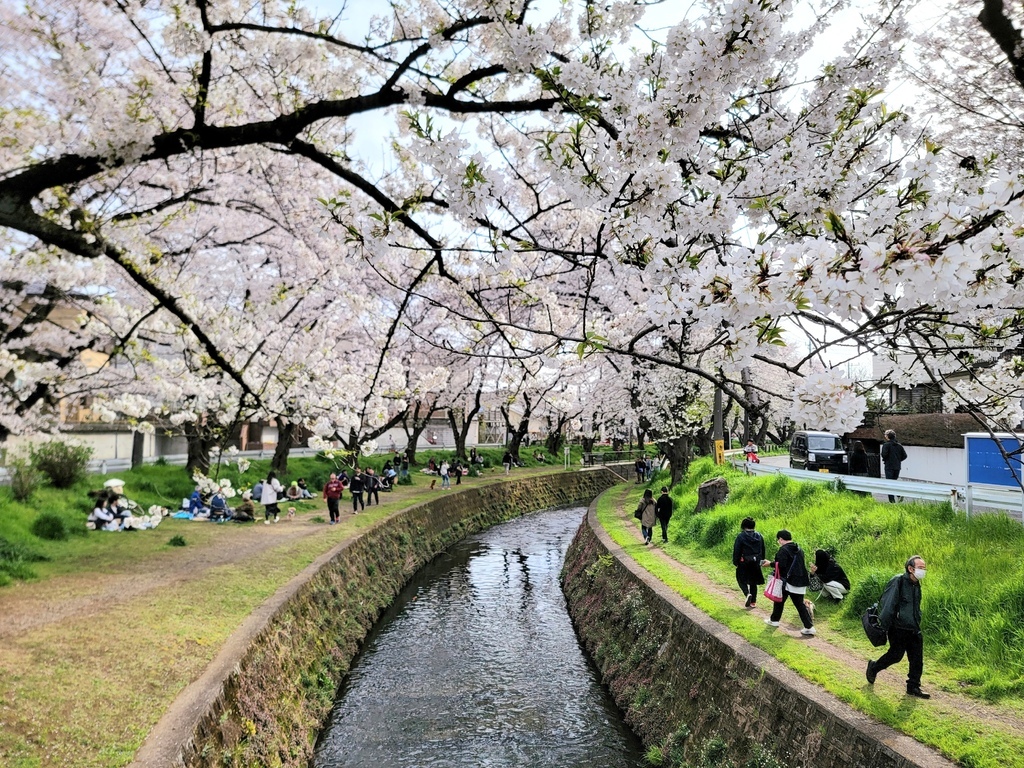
{"x": 818, "y": 451}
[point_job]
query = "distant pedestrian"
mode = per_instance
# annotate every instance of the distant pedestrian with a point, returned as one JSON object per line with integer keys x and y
{"x": 638, "y": 467}
{"x": 646, "y": 513}
{"x": 371, "y": 487}
{"x": 899, "y": 613}
{"x": 446, "y": 480}
{"x": 355, "y": 488}
{"x": 793, "y": 571}
{"x": 507, "y": 461}
{"x": 859, "y": 460}
{"x": 457, "y": 469}
{"x": 268, "y": 498}
{"x": 893, "y": 456}
{"x": 747, "y": 556}
{"x": 663, "y": 510}
{"x": 332, "y": 494}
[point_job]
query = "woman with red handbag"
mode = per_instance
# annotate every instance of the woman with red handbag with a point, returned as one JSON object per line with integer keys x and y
{"x": 789, "y": 561}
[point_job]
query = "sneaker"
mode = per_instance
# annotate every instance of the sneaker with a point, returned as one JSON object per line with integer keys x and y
{"x": 266, "y": 522}
{"x": 918, "y": 693}
{"x": 771, "y": 623}
{"x": 749, "y": 602}
{"x": 275, "y": 518}
{"x": 808, "y": 631}
{"x": 871, "y": 673}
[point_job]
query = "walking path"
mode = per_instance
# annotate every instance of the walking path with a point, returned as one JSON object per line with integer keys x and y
{"x": 968, "y": 713}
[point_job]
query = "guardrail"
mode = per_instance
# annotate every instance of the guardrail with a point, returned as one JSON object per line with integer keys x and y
{"x": 970, "y": 496}
{"x": 111, "y": 466}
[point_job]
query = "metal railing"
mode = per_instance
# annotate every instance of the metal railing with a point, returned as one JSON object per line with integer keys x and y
{"x": 611, "y": 457}
{"x": 970, "y": 496}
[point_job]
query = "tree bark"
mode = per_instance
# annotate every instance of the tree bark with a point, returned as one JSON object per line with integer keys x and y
{"x": 285, "y": 436}
{"x": 138, "y": 448}
{"x": 519, "y": 431}
{"x": 678, "y": 453}
{"x": 461, "y": 431}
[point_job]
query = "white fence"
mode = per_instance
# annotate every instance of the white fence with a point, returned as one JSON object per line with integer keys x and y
{"x": 972, "y": 497}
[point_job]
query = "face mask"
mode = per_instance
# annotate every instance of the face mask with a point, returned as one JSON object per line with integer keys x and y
{"x": 919, "y": 573}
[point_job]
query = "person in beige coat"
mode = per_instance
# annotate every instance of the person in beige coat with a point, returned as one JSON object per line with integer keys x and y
{"x": 646, "y": 513}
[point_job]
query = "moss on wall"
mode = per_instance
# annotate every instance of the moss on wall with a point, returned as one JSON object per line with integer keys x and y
{"x": 271, "y": 707}
{"x": 697, "y": 694}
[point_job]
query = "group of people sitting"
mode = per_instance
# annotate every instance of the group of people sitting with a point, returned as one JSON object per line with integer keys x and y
{"x": 113, "y": 511}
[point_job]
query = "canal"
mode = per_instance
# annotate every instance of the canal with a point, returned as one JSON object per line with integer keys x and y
{"x": 476, "y": 664}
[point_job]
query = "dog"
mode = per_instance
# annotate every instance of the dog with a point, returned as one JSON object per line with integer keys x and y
{"x": 291, "y": 512}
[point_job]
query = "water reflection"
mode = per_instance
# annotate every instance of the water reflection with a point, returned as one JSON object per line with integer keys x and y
{"x": 477, "y": 664}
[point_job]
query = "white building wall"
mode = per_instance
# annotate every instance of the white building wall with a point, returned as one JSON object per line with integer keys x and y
{"x": 934, "y": 465}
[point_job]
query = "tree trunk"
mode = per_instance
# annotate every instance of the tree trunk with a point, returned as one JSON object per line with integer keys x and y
{"x": 461, "y": 431}
{"x": 200, "y": 441}
{"x": 414, "y": 425}
{"x": 519, "y": 431}
{"x": 588, "y": 444}
{"x": 285, "y": 436}
{"x": 677, "y": 451}
{"x": 138, "y": 448}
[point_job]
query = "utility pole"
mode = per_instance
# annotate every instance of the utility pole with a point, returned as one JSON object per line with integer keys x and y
{"x": 719, "y": 436}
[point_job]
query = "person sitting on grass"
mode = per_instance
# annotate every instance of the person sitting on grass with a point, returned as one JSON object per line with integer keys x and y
{"x": 101, "y": 517}
{"x": 195, "y": 503}
{"x": 834, "y": 581}
{"x": 246, "y": 511}
{"x": 219, "y": 507}
{"x": 304, "y": 491}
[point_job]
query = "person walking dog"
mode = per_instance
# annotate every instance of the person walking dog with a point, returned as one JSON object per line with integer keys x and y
{"x": 899, "y": 614}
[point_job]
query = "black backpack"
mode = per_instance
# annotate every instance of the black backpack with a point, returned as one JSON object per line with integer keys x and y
{"x": 875, "y": 633}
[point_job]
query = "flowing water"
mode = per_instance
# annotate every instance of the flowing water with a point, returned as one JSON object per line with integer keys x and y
{"x": 476, "y": 664}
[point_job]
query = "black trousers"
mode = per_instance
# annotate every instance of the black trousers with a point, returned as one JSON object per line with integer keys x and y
{"x": 904, "y": 641}
{"x": 892, "y": 474}
{"x": 357, "y": 500}
{"x": 798, "y": 601}
{"x": 332, "y": 507}
{"x": 373, "y": 497}
{"x": 664, "y": 528}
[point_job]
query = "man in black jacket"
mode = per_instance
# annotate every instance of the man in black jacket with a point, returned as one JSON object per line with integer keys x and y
{"x": 663, "y": 509}
{"x": 893, "y": 456}
{"x": 899, "y": 614}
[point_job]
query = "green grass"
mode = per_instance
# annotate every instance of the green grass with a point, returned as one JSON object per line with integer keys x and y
{"x": 972, "y": 642}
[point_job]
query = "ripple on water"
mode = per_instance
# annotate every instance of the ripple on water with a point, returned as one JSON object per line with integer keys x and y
{"x": 477, "y": 664}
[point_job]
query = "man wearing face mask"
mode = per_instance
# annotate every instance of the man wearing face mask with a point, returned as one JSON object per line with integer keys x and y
{"x": 899, "y": 613}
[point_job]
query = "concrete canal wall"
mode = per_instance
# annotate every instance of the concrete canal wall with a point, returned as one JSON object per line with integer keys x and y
{"x": 700, "y": 693}
{"x": 263, "y": 699}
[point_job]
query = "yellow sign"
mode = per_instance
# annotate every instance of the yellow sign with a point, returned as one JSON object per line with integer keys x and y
{"x": 823, "y": 470}
{"x": 719, "y": 451}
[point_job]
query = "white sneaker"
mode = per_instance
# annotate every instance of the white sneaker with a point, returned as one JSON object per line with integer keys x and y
{"x": 771, "y": 623}
{"x": 809, "y": 631}
{"x": 266, "y": 522}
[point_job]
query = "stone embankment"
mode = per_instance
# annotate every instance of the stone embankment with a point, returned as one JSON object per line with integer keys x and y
{"x": 265, "y": 696}
{"x": 695, "y": 690}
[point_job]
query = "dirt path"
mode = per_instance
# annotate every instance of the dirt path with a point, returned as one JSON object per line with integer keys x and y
{"x": 31, "y": 605}
{"x": 891, "y": 683}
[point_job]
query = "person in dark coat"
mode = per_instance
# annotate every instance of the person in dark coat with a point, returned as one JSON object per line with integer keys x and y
{"x": 834, "y": 581}
{"x": 893, "y": 455}
{"x": 899, "y": 613}
{"x": 747, "y": 556}
{"x": 859, "y": 460}
{"x": 793, "y": 571}
{"x": 663, "y": 510}
{"x": 355, "y": 489}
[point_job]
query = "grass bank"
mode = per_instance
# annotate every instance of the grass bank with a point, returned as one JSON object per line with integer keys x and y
{"x": 973, "y": 642}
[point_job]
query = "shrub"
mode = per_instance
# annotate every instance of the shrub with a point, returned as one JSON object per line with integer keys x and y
{"x": 50, "y": 527}
{"x": 14, "y": 561}
{"x": 24, "y": 479}
{"x": 177, "y": 541}
{"x": 64, "y": 464}
{"x": 404, "y": 480}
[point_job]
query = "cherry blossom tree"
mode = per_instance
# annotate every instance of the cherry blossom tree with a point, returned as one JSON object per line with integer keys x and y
{"x": 552, "y": 185}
